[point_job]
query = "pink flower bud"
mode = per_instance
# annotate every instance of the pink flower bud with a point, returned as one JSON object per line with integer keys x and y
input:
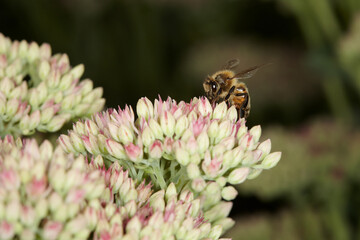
{"x": 9, "y": 179}
{"x": 27, "y": 216}
{"x": 204, "y": 107}
{"x": 7, "y": 230}
{"x": 66, "y": 143}
{"x": 75, "y": 196}
{"x": 156, "y": 149}
{"x": 36, "y": 188}
{"x": 134, "y": 152}
{"x": 168, "y": 145}
{"x": 247, "y": 142}
{"x": 211, "y": 167}
{"x": 90, "y": 144}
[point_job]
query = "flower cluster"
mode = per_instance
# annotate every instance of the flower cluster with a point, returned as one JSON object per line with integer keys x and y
{"x": 189, "y": 144}
{"x": 46, "y": 194}
{"x": 39, "y": 91}
{"x": 133, "y": 211}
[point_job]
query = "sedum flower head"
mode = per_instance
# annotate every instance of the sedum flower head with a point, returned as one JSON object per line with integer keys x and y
{"x": 135, "y": 211}
{"x": 189, "y": 144}
{"x": 45, "y": 194}
{"x": 41, "y": 92}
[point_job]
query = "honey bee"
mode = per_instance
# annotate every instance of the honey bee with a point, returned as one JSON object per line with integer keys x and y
{"x": 225, "y": 85}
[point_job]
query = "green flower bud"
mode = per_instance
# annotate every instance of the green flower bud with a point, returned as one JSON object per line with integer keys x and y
{"x": 229, "y": 193}
{"x": 167, "y": 122}
{"x": 44, "y": 70}
{"x": 238, "y": 175}
{"x": 220, "y": 111}
{"x": 156, "y": 129}
{"x": 33, "y": 52}
{"x": 144, "y": 108}
{"x": 271, "y": 160}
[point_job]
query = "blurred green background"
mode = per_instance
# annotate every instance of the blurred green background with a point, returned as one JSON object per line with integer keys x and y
{"x": 306, "y": 101}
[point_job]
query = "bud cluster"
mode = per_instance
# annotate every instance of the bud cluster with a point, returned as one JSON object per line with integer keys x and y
{"x": 45, "y": 194}
{"x": 39, "y": 91}
{"x": 186, "y": 143}
{"x": 48, "y": 194}
{"x": 134, "y": 211}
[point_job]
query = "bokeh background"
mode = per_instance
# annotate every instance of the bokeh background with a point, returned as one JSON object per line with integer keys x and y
{"x": 306, "y": 101}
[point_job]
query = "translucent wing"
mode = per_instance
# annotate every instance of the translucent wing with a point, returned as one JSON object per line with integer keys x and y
{"x": 250, "y": 72}
{"x": 231, "y": 64}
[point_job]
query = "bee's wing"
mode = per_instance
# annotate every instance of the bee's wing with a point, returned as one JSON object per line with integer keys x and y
{"x": 231, "y": 64}
{"x": 248, "y": 73}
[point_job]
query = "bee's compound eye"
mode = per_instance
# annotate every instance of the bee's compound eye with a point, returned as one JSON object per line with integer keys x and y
{"x": 213, "y": 87}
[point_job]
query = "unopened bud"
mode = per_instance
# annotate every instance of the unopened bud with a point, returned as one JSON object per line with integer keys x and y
{"x": 238, "y": 175}
{"x": 271, "y": 160}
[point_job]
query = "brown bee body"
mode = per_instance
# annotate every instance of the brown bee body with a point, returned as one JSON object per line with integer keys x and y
{"x": 226, "y": 85}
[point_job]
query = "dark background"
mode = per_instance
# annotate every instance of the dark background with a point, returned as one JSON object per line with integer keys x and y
{"x": 306, "y": 101}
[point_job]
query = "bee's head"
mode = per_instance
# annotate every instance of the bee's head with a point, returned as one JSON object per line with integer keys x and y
{"x": 211, "y": 87}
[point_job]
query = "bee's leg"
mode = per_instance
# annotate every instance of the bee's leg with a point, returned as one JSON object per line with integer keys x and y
{"x": 241, "y": 113}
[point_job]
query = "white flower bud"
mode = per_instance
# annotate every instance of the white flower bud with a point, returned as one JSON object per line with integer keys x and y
{"x": 238, "y": 175}
{"x": 220, "y": 111}
{"x": 271, "y": 160}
